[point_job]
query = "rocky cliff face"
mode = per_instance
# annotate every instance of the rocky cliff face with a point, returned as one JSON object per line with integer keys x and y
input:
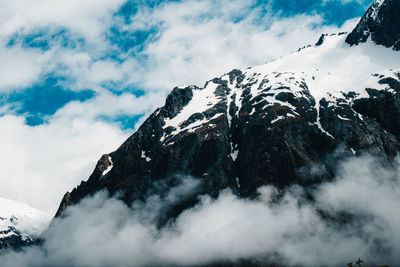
{"x": 285, "y": 122}
{"x": 381, "y": 22}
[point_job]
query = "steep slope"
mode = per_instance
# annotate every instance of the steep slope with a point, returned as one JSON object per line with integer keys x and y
{"x": 285, "y": 122}
{"x": 20, "y": 224}
{"x": 381, "y": 22}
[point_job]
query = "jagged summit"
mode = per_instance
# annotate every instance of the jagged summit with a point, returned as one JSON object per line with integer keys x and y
{"x": 381, "y": 22}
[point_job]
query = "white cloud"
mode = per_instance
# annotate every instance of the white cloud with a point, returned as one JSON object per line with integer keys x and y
{"x": 203, "y": 39}
{"x": 39, "y": 164}
{"x": 19, "y": 67}
{"x": 89, "y": 18}
{"x": 102, "y": 231}
{"x": 110, "y": 105}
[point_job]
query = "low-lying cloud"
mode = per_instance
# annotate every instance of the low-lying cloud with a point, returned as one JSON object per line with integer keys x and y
{"x": 39, "y": 164}
{"x": 353, "y": 216}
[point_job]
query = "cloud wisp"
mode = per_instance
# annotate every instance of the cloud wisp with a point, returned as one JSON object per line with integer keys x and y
{"x": 44, "y": 161}
{"x": 350, "y": 217}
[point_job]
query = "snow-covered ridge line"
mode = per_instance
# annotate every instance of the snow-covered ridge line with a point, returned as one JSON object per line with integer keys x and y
{"x": 328, "y": 70}
{"x": 335, "y": 67}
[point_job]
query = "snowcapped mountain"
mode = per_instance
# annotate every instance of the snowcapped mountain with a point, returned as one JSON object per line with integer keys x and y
{"x": 20, "y": 224}
{"x": 281, "y": 123}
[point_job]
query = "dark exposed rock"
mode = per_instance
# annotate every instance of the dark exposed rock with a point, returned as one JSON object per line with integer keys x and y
{"x": 178, "y": 98}
{"x": 383, "y": 107}
{"x": 320, "y": 40}
{"x": 13, "y": 240}
{"x": 65, "y": 202}
{"x": 381, "y": 22}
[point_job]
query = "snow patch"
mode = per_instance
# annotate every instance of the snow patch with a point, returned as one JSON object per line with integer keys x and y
{"x": 343, "y": 118}
{"x": 4, "y": 235}
{"x": 334, "y": 67}
{"x": 238, "y": 182}
{"x": 192, "y": 127}
{"x": 278, "y": 119}
{"x": 145, "y": 157}
{"x": 234, "y": 155}
{"x": 109, "y": 167}
{"x": 199, "y": 103}
{"x": 375, "y": 9}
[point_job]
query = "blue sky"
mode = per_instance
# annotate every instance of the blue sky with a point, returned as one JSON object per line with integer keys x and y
{"x": 53, "y": 88}
{"x": 77, "y": 77}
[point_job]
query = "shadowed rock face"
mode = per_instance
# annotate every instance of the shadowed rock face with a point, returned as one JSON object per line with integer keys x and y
{"x": 381, "y": 23}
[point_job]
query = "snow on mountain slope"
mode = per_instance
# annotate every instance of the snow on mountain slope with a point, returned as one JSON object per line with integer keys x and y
{"x": 20, "y": 223}
{"x": 328, "y": 70}
{"x": 334, "y": 67}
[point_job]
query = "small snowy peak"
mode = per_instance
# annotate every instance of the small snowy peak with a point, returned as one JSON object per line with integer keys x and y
{"x": 184, "y": 86}
{"x": 16, "y": 217}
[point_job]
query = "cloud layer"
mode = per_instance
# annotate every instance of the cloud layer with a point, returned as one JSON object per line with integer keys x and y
{"x": 353, "y": 216}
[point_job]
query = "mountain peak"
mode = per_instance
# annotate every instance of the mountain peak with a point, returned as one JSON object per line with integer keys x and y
{"x": 381, "y": 22}
{"x": 20, "y": 224}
